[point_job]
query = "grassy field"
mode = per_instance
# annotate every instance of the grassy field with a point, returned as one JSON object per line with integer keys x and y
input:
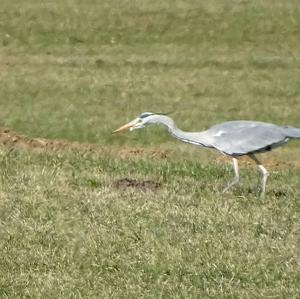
{"x": 75, "y": 71}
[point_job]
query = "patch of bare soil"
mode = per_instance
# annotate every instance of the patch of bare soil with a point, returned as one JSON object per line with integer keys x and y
{"x": 155, "y": 153}
{"x": 269, "y": 163}
{"x": 11, "y": 139}
{"x": 125, "y": 183}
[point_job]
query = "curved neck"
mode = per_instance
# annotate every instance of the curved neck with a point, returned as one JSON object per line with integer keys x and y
{"x": 198, "y": 138}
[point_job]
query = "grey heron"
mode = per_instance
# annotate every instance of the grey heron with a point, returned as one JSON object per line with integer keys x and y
{"x": 232, "y": 138}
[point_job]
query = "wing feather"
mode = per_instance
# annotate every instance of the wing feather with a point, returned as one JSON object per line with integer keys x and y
{"x": 244, "y": 137}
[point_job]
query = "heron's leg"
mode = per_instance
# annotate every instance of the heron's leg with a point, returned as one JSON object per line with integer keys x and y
{"x": 264, "y": 176}
{"x": 236, "y": 175}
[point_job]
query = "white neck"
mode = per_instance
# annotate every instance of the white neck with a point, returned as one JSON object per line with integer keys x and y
{"x": 198, "y": 138}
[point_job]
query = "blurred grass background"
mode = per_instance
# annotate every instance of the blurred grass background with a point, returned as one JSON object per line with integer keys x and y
{"x": 77, "y": 70}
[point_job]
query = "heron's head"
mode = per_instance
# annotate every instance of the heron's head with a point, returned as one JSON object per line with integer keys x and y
{"x": 141, "y": 121}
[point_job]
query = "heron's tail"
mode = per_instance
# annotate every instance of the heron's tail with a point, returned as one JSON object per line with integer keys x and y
{"x": 292, "y": 132}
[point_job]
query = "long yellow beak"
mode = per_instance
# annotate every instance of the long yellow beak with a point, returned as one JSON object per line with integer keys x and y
{"x": 124, "y": 128}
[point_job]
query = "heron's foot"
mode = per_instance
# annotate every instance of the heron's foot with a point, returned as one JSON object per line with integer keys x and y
{"x": 260, "y": 191}
{"x": 260, "y": 194}
{"x": 232, "y": 184}
{"x": 261, "y": 186}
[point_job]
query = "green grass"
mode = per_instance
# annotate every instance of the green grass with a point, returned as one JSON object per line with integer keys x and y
{"x": 67, "y": 233}
{"x": 76, "y": 70}
{"x": 206, "y": 62}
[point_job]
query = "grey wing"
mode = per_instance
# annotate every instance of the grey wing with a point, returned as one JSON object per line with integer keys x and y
{"x": 244, "y": 137}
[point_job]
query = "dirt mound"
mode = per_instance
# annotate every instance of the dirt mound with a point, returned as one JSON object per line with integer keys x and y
{"x": 11, "y": 139}
{"x": 138, "y": 184}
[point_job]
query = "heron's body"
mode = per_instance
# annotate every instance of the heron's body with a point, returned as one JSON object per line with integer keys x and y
{"x": 233, "y": 138}
{"x": 238, "y": 138}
